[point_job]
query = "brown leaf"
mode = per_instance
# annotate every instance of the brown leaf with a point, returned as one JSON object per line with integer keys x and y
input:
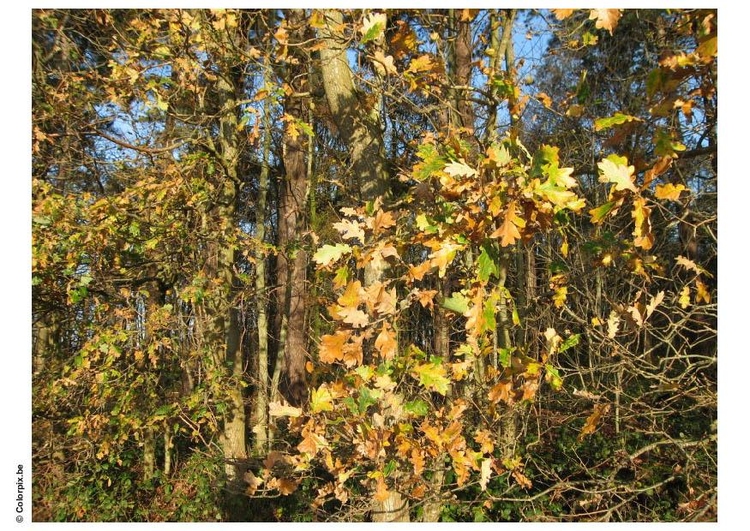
{"x": 590, "y": 427}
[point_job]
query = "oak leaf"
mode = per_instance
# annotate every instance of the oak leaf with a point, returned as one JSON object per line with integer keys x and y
{"x": 613, "y": 170}
{"x": 330, "y": 253}
{"x": 606, "y": 18}
{"x": 433, "y": 376}
{"x": 591, "y": 422}
{"x": 459, "y": 169}
{"x": 669, "y": 191}
{"x": 386, "y": 342}
{"x": 350, "y": 229}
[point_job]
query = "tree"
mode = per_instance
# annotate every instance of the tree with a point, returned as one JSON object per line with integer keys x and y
{"x": 374, "y": 264}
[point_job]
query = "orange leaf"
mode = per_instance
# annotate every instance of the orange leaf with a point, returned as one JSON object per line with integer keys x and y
{"x": 331, "y": 347}
{"x": 286, "y": 486}
{"x": 386, "y": 342}
{"x": 605, "y": 18}
{"x": 562, "y": 14}
{"x": 381, "y": 492}
{"x": 590, "y": 427}
{"x": 669, "y": 191}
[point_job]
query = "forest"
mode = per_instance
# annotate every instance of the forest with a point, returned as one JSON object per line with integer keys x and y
{"x": 373, "y": 265}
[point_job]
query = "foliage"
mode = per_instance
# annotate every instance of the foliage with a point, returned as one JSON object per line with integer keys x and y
{"x": 520, "y": 324}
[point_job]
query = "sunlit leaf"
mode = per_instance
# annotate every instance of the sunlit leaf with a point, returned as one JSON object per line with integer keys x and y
{"x": 669, "y": 191}
{"x": 330, "y": 253}
{"x": 606, "y": 18}
{"x": 433, "y": 376}
{"x": 615, "y": 170}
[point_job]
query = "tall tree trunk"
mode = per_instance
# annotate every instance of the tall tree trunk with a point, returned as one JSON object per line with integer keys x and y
{"x": 359, "y": 127}
{"x": 261, "y": 299}
{"x": 292, "y": 261}
{"x": 223, "y": 337}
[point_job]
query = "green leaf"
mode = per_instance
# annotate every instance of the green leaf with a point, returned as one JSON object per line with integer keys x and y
{"x": 601, "y": 212}
{"x": 330, "y": 253}
{"x": 571, "y": 342}
{"x": 487, "y": 265}
{"x": 433, "y": 376}
{"x": 457, "y": 303}
{"x": 417, "y": 407}
{"x": 600, "y": 124}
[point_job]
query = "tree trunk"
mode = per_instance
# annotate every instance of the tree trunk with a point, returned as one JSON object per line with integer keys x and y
{"x": 358, "y": 126}
{"x": 292, "y": 262}
{"x": 261, "y": 295}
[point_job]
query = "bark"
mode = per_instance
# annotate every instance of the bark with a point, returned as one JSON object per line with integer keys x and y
{"x": 293, "y": 195}
{"x": 356, "y": 120}
{"x": 261, "y": 301}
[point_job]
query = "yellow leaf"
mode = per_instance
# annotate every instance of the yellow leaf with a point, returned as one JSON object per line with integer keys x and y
{"x": 321, "y": 399}
{"x": 669, "y": 191}
{"x": 684, "y": 299}
{"x": 702, "y": 293}
{"x": 644, "y": 238}
{"x": 559, "y": 297}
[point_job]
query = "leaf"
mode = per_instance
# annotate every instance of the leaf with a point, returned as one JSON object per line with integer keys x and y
{"x": 599, "y": 213}
{"x": 433, "y": 376}
{"x": 684, "y": 299}
{"x": 613, "y": 324}
{"x": 702, "y": 292}
{"x": 417, "y": 408}
{"x": 286, "y": 486}
{"x": 562, "y": 14}
{"x": 386, "y": 342}
{"x": 350, "y": 229}
{"x": 381, "y": 491}
{"x": 591, "y": 422}
{"x": 487, "y": 266}
{"x": 644, "y": 238}
{"x": 486, "y": 471}
{"x": 605, "y": 18}
{"x": 544, "y": 99}
{"x": 459, "y": 169}
{"x": 373, "y": 27}
{"x": 501, "y": 392}
{"x": 384, "y": 63}
{"x": 669, "y": 191}
{"x": 330, "y": 253}
{"x": 613, "y": 170}
{"x": 321, "y": 399}
{"x": 559, "y": 297}
{"x": 618, "y": 118}
{"x": 331, "y": 347}
{"x": 278, "y": 409}
{"x": 423, "y": 63}
{"x": 653, "y": 303}
{"x": 687, "y": 263}
{"x": 508, "y": 231}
